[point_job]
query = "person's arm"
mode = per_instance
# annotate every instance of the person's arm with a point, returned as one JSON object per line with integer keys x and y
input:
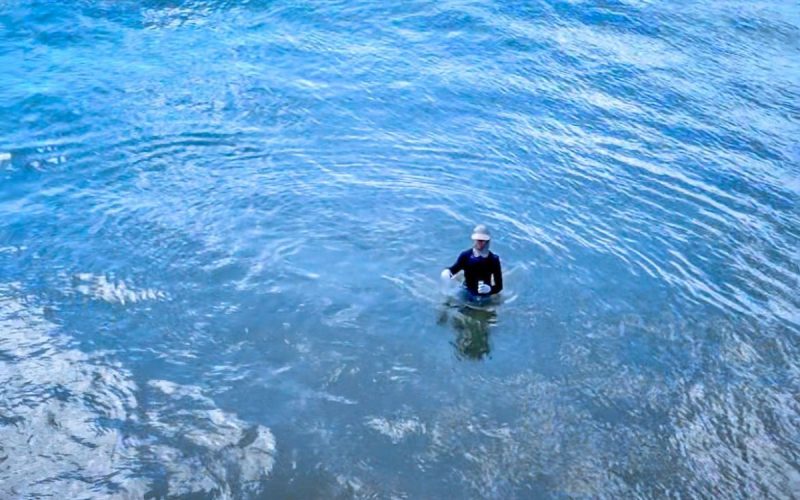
{"x": 498, "y": 277}
{"x": 458, "y": 266}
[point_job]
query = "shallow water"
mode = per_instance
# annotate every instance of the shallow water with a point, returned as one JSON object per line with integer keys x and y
{"x": 222, "y": 225}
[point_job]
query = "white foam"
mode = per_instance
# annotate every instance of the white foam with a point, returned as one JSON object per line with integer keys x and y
{"x": 397, "y": 430}
{"x": 116, "y": 291}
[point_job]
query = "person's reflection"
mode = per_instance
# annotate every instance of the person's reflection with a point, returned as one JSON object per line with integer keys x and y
{"x": 472, "y": 326}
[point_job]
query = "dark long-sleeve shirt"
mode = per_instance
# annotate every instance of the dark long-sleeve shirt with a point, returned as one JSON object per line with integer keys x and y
{"x": 479, "y": 269}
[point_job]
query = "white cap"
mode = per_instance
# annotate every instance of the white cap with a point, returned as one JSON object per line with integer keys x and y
{"x": 481, "y": 233}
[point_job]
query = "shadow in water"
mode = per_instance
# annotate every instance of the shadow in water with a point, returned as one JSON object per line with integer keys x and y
{"x": 471, "y": 321}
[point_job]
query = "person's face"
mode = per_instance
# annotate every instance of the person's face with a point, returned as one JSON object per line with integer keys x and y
{"x": 479, "y": 245}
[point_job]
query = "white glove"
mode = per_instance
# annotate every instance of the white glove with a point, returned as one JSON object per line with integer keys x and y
{"x": 446, "y": 274}
{"x": 483, "y": 289}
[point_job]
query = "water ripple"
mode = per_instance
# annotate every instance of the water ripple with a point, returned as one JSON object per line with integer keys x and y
{"x": 222, "y": 225}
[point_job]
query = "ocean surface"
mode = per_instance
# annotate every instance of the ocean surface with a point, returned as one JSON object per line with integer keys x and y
{"x": 222, "y": 226}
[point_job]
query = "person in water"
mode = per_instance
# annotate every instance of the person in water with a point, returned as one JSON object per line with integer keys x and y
{"x": 482, "y": 274}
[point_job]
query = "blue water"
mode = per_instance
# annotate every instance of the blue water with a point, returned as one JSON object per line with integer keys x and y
{"x": 222, "y": 226}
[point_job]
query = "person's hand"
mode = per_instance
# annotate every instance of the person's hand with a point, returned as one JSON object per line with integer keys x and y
{"x": 484, "y": 289}
{"x": 446, "y": 274}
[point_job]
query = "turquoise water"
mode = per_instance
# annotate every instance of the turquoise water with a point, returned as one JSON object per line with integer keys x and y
{"x": 222, "y": 226}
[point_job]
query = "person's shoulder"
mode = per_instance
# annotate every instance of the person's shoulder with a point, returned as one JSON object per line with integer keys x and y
{"x": 494, "y": 256}
{"x": 465, "y": 254}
